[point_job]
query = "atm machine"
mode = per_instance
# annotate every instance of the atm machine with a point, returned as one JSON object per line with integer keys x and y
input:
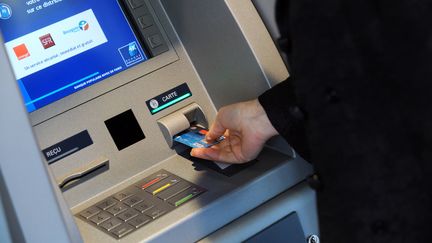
{"x": 105, "y": 88}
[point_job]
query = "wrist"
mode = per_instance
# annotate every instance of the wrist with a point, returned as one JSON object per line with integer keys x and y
{"x": 261, "y": 121}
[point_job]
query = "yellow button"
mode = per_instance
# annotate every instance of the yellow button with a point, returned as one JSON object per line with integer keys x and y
{"x": 161, "y": 189}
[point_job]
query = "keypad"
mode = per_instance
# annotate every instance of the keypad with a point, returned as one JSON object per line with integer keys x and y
{"x": 140, "y": 204}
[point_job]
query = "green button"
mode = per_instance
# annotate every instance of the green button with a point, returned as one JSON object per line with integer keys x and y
{"x": 183, "y": 200}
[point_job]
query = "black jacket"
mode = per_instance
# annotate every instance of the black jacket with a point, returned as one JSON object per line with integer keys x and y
{"x": 362, "y": 74}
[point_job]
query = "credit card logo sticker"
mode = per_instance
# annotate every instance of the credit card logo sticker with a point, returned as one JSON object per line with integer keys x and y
{"x": 5, "y": 11}
{"x": 131, "y": 54}
{"x": 21, "y": 51}
{"x": 133, "y": 50}
{"x": 154, "y": 104}
{"x": 83, "y": 25}
{"x": 47, "y": 41}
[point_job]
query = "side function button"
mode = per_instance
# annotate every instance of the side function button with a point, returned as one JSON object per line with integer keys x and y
{"x": 171, "y": 181}
{"x": 100, "y": 218}
{"x": 136, "y": 3}
{"x": 89, "y": 212}
{"x": 155, "y": 40}
{"x": 144, "y": 185}
{"x": 145, "y": 21}
{"x": 174, "y": 190}
{"x": 185, "y": 196}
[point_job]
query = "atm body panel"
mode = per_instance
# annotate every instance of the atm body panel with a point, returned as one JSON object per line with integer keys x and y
{"x": 222, "y": 52}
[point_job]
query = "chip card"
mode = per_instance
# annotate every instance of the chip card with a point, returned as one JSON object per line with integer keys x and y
{"x": 194, "y": 137}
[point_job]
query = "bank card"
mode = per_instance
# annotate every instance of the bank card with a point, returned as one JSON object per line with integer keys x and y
{"x": 194, "y": 137}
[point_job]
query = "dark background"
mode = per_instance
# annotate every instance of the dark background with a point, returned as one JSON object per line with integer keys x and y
{"x": 362, "y": 74}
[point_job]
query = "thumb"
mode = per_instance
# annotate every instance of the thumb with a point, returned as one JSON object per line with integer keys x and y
{"x": 216, "y": 130}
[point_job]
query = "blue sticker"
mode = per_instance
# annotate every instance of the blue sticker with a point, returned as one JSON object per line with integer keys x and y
{"x": 131, "y": 54}
{"x": 5, "y": 11}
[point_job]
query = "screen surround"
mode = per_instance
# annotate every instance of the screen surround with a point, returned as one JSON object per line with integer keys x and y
{"x": 57, "y": 50}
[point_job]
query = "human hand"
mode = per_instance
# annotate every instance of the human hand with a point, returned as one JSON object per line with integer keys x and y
{"x": 246, "y": 128}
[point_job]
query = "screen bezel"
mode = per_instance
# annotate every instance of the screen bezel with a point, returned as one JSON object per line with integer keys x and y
{"x": 107, "y": 85}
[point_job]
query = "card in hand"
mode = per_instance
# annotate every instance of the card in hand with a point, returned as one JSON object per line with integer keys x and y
{"x": 194, "y": 137}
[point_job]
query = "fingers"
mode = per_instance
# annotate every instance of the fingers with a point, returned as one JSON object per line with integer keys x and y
{"x": 217, "y": 129}
{"x": 205, "y": 153}
{"x": 216, "y": 153}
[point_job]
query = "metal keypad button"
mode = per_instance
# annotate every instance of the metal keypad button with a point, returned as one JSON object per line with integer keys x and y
{"x": 139, "y": 221}
{"x": 89, "y": 212}
{"x": 143, "y": 206}
{"x": 100, "y": 218}
{"x": 111, "y": 223}
{"x": 119, "y": 208}
{"x": 129, "y": 214}
{"x": 155, "y": 212}
{"x": 132, "y": 201}
{"x": 123, "y": 195}
{"x": 122, "y": 230}
{"x": 106, "y": 203}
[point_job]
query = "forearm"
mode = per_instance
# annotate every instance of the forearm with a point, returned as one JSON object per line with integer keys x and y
{"x": 280, "y": 105}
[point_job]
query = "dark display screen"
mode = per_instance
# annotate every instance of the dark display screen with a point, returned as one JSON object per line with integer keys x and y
{"x": 59, "y": 47}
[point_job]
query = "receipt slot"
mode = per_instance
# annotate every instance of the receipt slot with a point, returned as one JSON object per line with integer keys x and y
{"x": 105, "y": 88}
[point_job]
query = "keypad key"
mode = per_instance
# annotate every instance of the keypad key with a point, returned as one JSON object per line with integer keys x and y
{"x": 129, "y": 214}
{"x": 134, "y": 200}
{"x": 105, "y": 204}
{"x": 122, "y": 230}
{"x": 155, "y": 212}
{"x": 171, "y": 181}
{"x": 139, "y": 221}
{"x": 149, "y": 182}
{"x": 118, "y": 208}
{"x": 143, "y": 206}
{"x": 90, "y": 212}
{"x": 100, "y": 218}
{"x": 111, "y": 223}
{"x": 174, "y": 190}
{"x": 123, "y": 195}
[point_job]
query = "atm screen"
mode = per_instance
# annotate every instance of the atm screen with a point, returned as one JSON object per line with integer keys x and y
{"x": 58, "y": 47}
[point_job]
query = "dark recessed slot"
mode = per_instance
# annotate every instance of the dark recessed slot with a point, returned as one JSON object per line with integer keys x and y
{"x": 78, "y": 178}
{"x": 124, "y": 130}
{"x": 202, "y": 164}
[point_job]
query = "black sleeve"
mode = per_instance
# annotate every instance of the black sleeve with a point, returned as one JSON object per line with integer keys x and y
{"x": 282, "y": 109}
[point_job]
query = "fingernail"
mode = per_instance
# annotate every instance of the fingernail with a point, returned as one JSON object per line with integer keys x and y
{"x": 192, "y": 153}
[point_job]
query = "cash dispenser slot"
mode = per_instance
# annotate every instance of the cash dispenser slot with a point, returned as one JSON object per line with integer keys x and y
{"x": 181, "y": 120}
{"x": 83, "y": 173}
